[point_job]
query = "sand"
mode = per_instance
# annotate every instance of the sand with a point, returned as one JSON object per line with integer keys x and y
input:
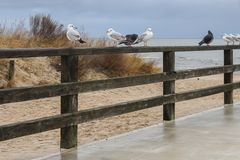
{"x": 48, "y": 142}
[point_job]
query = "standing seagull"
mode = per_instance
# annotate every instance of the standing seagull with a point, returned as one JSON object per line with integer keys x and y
{"x": 130, "y": 39}
{"x": 207, "y": 39}
{"x": 238, "y": 38}
{"x": 227, "y": 38}
{"x": 233, "y": 37}
{"x": 116, "y": 37}
{"x": 145, "y": 36}
{"x": 73, "y": 35}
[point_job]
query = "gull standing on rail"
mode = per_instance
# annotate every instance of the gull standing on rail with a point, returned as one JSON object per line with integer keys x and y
{"x": 73, "y": 35}
{"x": 227, "y": 38}
{"x": 145, "y": 37}
{"x": 238, "y": 38}
{"x": 233, "y": 37}
{"x": 116, "y": 37}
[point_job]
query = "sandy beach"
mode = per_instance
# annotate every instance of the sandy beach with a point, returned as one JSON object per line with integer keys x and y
{"x": 48, "y": 142}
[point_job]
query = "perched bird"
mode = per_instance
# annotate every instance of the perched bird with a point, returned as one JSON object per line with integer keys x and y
{"x": 73, "y": 35}
{"x": 145, "y": 36}
{"x": 238, "y": 38}
{"x": 227, "y": 38}
{"x": 130, "y": 39}
{"x": 233, "y": 38}
{"x": 207, "y": 39}
{"x": 116, "y": 37}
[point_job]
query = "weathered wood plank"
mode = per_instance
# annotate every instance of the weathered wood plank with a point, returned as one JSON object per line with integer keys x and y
{"x": 40, "y": 52}
{"x": 168, "y": 86}
{"x": 11, "y": 70}
{"x": 69, "y": 103}
{"x": 19, "y": 129}
{"x": 36, "y": 92}
{"x": 228, "y": 77}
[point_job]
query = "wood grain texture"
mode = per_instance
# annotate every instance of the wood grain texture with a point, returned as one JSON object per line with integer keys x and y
{"x": 41, "y": 52}
{"x": 228, "y": 77}
{"x": 19, "y": 129}
{"x": 69, "y": 103}
{"x": 169, "y": 86}
{"x": 9, "y": 95}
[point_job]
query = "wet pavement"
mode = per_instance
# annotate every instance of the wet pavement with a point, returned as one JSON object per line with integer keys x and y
{"x": 212, "y": 135}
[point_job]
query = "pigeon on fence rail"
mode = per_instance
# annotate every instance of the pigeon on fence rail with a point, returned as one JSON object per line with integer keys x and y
{"x": 130, "y": 39}
{"x": 207, "y": 39}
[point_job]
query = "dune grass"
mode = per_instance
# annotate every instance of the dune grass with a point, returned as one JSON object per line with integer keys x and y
{"x": 44, "y": 32}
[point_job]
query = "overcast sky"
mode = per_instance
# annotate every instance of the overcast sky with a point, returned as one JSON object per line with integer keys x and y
{"x": 167, "y": 18}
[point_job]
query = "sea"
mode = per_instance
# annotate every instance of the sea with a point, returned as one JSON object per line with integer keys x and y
{"x": 192, "y": 59}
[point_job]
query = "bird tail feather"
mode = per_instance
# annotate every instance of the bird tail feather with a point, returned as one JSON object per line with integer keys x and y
{"x": 201, "y": 43}
{"x": 122, "y": 42}
{"x": 82, "y": 41}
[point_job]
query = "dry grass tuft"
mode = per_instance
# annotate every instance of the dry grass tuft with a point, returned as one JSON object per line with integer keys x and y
{"x": 48, "y": 33}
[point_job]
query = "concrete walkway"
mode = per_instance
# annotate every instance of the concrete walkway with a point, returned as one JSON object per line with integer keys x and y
{"x": 211, "y": 135}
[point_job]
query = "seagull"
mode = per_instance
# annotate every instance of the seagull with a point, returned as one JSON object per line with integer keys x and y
{"x": 233, "y": 37}
{"x": 227, "y": 38}
{"x": 207, "y": 39}
{"x": 130, "y": 39}
{"x": 116, "y": 37}
{"x": 238, "y": 38}
{"x": 145, "y": 36}
{"x": 73, "y": 35}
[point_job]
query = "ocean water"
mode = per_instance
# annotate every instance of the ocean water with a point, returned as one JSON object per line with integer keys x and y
{"x": 190, "y": 60}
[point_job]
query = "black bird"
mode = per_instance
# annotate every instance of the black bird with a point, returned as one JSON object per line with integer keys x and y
{"x": 207, "y": 39}
{"x": 130, "y": 39}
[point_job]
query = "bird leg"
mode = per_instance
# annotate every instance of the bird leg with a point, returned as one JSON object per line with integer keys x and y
{"x": 145, "y": 44}
{"x": 114, "y": 44}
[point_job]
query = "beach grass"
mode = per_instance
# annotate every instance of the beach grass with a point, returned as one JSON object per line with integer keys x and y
{"x": 45, "y": 32}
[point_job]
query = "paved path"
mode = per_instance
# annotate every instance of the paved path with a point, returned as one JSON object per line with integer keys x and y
{"x": 211, "y": 135}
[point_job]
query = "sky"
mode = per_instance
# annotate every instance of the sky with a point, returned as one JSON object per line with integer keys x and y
{"x": 167, "y": 18}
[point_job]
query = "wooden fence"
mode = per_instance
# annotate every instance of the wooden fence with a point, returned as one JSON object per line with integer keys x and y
{"x": 69, "y": 88}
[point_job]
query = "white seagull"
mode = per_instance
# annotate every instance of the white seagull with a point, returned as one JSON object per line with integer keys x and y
{"x": 73, "y": 35}
{"x": 227, "y": 38}
{"x": 116, "y": 37}
{"x": 233, "y": 37}
{"x": 145, "y": 36}
{"x": 238, "y": 38}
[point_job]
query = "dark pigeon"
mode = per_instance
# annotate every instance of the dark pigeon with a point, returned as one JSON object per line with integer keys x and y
{"x": 130, "y": 39}
{"x": 207, "y": 39}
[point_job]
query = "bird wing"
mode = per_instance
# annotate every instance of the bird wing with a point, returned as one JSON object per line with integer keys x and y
{"x": 117, "y": 36}
{"x": 74, "y": 35}
{"x": 226, "y": 38}
{"x": 141, "y": 37}
{"x": 208, "y": 38}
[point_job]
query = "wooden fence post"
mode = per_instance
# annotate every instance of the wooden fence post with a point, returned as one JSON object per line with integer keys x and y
{"x": 11, "y": 70}
{"x": 69, "y": 103}
{"x": 168, "y": 86}
{"x": 228, "y": 77}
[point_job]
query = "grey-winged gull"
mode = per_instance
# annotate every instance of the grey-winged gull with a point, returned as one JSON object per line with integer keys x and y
{"x": 227, "y": 38}
{"x": 116, "y": 37}
{"x": 73, "y": 35}
{"x": 145, "y": 36}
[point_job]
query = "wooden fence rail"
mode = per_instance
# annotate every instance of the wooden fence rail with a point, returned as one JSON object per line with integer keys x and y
{"x": 69, "y": 88}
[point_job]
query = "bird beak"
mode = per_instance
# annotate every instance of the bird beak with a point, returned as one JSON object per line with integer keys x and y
{"x": 75, "y": 27}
